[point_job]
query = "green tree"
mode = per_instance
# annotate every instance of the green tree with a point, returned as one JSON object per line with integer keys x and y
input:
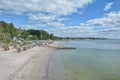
{"x": 33, "y": 37}
{"x": 4, "y": 35}
{"x": 4, "y": 26}
{"x": 12, "y": 30}
{"x": 45, "y": 35}
{"x": 34, "y": 32}
{"x": 24, "y": 35}
{"x": 52, "y": 36}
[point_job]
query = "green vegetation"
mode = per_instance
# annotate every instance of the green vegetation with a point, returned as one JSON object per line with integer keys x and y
{"x": 8, "y": 31}
{"x": 40, "y": 34}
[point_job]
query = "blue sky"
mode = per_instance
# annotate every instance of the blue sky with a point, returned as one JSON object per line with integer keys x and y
{"x": 75, "y": 18}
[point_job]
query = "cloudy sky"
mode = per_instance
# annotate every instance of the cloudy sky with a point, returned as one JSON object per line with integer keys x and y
{"x": 75, "y": 18}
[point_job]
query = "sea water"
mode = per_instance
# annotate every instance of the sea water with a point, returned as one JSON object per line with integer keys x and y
{"x": 91, "y": 60}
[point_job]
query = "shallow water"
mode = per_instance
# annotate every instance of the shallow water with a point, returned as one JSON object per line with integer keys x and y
{"x": 92, "y": 60}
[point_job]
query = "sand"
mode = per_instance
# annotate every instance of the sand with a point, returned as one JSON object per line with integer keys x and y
{"x": 27, "y": 65}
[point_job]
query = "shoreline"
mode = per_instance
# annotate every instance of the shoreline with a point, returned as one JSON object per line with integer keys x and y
{"x": 14, "y": 65}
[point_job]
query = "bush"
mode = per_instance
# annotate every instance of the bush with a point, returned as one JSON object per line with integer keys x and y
{"x": 34, "y": 37}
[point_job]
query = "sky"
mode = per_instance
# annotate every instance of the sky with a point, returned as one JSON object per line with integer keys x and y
{"x": 71, "y": 18}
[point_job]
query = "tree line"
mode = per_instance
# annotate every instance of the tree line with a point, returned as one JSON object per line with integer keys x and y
{"x": 8, "y": 31}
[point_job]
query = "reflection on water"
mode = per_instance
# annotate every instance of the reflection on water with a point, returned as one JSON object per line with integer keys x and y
{"x": 92, "y": 60}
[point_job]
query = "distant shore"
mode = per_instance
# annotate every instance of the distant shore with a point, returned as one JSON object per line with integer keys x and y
{"x": 81, "y": 38}
{"x": 24, "y": 65}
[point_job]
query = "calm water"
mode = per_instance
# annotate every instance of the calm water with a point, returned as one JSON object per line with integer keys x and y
{"x": 92, "y": 60}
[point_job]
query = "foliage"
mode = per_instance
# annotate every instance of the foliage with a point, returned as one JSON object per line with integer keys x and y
{"x": 33, "y": 37}
{"x": 8, "y": 28}
{"x": 34, "y": 32}
{"x": 41, "y": 34}
{"x": 44, "y": 35}
{"x": 12, "y": 30}
{"x": 24, "y": 35}
{"x": 8, "y": 31}
{"x": 52, "y": 36}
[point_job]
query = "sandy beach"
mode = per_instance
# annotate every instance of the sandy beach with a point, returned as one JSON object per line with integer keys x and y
{"x": 27, "y": 65}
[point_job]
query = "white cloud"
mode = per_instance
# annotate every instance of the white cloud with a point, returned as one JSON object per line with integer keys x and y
{"x": 43, "y": 11}
{"x": 55, "y": 24}
{"x": 27, "y": 26}
{"x": 108, "y": 6}
{"x": 111, "y": 30}
{"x": 110, "y": 33}
{"x": 111, "y": 19}
{"x": 107, "y": 26}
{"x": 73, "y": 31}
{"x": 41, "y": 17}
{"x": 56, "y": 7}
